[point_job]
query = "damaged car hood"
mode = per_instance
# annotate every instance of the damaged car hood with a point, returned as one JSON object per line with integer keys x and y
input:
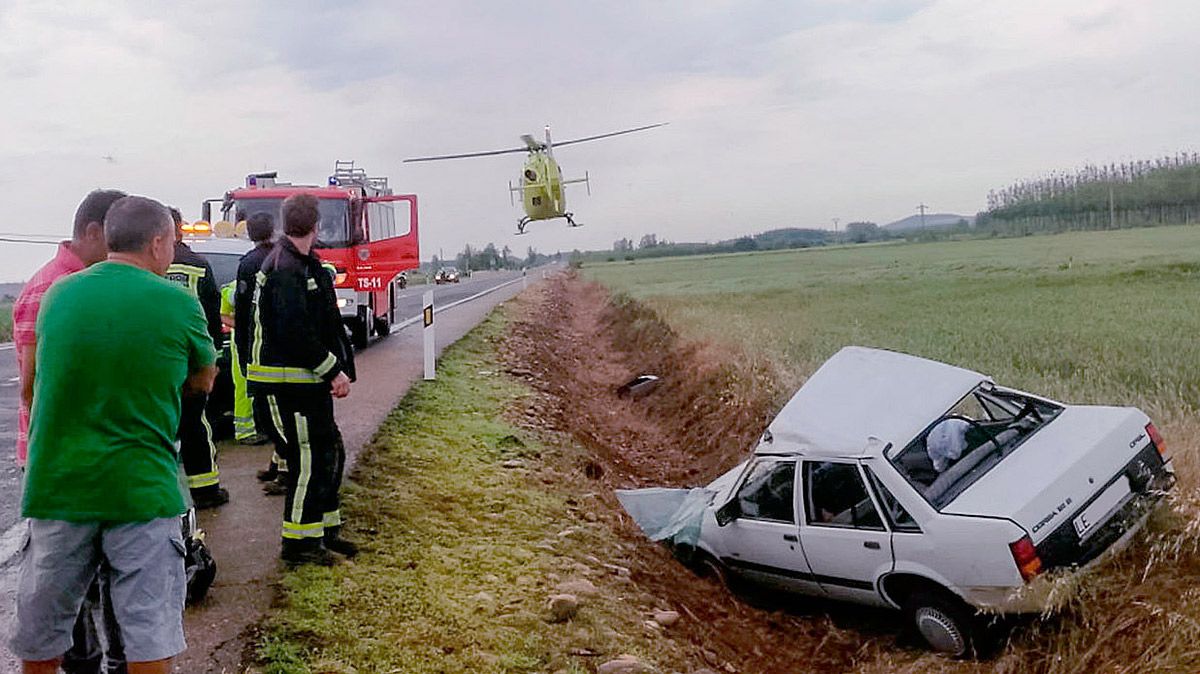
{"x": 862, "y": 397}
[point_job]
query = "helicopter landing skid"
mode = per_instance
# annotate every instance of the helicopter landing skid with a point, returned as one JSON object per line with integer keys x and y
{"x": 522, "y": 224}
{"x": 571, "y": 220}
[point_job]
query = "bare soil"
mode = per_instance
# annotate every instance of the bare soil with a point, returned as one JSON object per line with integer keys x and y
{"x": 575, "y": 346}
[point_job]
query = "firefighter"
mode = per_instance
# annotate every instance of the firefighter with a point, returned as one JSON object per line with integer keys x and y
{"x": 243, "y": 414}
{"x": 196, "y": 444}
{"x": 299, "y": 360}
{"x": 260, "y": 227}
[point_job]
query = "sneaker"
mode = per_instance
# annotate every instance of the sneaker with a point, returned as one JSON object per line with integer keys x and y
{"x": 341, "y": 546}
{"x": 254, "y": 440}
{"x": 276, "y": 487}
{"x": 211, "y": 499}
{"x": 316, "y": 556}
{"x": 268, "y": 474}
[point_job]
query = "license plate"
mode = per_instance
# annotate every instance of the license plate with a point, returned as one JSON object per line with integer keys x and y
{"x": 1098, "y": 512}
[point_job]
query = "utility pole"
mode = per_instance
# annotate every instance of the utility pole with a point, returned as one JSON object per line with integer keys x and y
{"x": 922, "y": 208}
{"x": 835, "y": 224}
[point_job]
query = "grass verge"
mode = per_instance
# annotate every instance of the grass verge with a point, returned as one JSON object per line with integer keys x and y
{"x": 464, "y": 542}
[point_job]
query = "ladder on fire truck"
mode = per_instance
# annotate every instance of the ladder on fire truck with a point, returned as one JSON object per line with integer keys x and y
{"x": 346, "y": 174}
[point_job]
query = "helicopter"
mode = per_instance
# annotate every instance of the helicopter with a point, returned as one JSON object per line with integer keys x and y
{"x": 541, "y": 182}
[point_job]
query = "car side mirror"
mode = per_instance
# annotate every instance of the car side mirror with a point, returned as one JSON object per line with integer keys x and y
{"x": 729, "y": 512}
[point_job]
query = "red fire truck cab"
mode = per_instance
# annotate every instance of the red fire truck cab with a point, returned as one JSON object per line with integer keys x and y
{"x": 368, "y": 233}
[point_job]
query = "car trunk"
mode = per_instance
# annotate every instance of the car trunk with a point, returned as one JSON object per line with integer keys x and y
{"x": 1073, "y": 485}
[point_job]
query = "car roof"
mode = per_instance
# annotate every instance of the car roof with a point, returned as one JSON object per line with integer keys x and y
{"x": 217, "y": 244}
{"x": 862, "y": 400}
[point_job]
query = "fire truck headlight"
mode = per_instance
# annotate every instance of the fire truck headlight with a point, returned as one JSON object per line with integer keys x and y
{"x": 339, "y": 278}
{"x": 342, "y": 302}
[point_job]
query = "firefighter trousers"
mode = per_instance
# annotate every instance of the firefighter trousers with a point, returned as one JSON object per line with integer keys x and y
{"x": 303, "y": 427}
{"x": 243, "y": 409}
{"x": 196, "y": 445}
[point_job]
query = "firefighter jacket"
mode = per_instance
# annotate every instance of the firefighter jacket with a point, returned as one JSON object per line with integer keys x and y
{"x": 297, "y": 340}
{"x": 193, "y": 272}
{"x": 243, "y": 296}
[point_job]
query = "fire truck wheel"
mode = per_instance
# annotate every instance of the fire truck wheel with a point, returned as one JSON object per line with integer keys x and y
{"x": 358, "y": 333}
{"x": 383, "y": 326}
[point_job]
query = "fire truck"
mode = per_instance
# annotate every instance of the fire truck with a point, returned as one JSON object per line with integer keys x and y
{"x": 366, "y": 232}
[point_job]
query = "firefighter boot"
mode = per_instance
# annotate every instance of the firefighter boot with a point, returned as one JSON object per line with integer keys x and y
{"x": 210, "y": 497}
{"x": 298, "y": 553}
{"x": 335, "y": 543}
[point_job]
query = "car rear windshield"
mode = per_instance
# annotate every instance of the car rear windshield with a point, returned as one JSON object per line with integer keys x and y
{"x": 224, "y": 266}
{"x": 972, "y": 438}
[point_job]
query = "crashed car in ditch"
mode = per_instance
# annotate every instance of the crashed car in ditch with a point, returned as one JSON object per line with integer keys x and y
{"x": 900, "y": 482}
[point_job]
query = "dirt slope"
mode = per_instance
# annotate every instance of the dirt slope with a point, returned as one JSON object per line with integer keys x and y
{"x": 575, "y": 347}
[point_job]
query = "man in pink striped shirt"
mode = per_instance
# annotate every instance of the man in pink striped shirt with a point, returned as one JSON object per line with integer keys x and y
{"x": 85, "y": 248}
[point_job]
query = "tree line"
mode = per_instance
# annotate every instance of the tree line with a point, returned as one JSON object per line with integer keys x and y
{"x": 1160, "y": 191}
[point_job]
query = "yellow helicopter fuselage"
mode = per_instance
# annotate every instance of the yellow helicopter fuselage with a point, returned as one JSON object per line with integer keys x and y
{"x": 542, "y": 187}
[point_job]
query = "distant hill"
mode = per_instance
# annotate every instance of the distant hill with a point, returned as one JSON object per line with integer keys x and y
{"x": 932, "y": 221}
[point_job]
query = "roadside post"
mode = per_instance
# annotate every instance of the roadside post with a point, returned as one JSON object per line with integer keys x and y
{"x": 524, "y": 279}
{"x": 427, "y": 316}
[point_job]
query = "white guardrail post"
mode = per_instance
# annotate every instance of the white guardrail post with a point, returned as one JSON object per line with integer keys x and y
{"x": 430, "y": 344}
{"x": 524, "y": 279}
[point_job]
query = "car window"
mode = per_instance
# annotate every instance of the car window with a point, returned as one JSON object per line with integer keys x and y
{"x": 836, "y": 496}
{"x": 897, "y": 516}
{"x": 768, "y": 493}
{"x": 958, "y": 448}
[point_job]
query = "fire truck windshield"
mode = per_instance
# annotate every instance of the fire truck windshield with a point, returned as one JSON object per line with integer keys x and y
{"x": 332, "y": 231}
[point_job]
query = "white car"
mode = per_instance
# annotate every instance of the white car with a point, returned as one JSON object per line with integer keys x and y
{"x": 896, "y": 481}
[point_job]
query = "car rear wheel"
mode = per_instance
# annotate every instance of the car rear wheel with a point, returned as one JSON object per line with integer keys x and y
{"x": 944, "y": 622}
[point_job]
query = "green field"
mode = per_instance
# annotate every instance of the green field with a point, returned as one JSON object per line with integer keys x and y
{"x": 1109, "y": 317}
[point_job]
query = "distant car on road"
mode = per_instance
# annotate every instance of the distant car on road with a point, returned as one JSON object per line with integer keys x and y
{"x": 900, "y": 482}
{"x": 446, "y": 275}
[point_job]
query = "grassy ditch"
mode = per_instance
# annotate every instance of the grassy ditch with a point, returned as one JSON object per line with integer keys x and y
{"x": 467, "y": 530}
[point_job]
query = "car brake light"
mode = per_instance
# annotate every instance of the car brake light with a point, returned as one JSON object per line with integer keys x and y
{"x": 1026, "y": 557}
{"x": 1157, "y": 439}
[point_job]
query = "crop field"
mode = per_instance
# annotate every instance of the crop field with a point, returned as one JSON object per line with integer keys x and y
{"x": 1089, "y": 317}
{"x": 1110, "y": 317}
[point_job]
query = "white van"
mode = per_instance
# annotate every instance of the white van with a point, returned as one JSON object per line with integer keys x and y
{"x": 897, "y": 481}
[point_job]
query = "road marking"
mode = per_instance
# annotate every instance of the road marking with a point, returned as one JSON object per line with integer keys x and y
{"x": 7, "y": 346}
{"x": 10, "y": 541}
{"x": 407, "y": 322}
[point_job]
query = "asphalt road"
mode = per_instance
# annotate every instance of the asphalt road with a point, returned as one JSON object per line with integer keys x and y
{"x": 408, "y": 311}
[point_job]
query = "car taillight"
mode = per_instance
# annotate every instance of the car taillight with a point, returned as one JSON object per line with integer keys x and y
{"x": 1157, "y": 439}
{"x": 1026, "y": 557}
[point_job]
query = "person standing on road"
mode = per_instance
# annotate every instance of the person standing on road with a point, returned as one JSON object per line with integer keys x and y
{"x": 299, "y": 360}
{"x": 261, "y": 230}
{"x": 195, "y": 433}
{"x": 86, "y": 247}
{"x": 102, "y": 481}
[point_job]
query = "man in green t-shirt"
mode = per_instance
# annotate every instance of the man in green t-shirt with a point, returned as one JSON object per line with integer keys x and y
{"x": 103, "y": 476}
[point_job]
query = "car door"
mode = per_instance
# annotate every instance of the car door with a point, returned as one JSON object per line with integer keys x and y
{"x": 845, "y": 540}
{"x": 762, "y": 544}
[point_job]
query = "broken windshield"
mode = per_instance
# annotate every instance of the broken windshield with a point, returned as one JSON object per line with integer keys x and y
{"x": 969, "y": 440}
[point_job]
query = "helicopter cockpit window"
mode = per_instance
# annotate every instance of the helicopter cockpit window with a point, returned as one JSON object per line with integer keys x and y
{"x": 530, "y": 175}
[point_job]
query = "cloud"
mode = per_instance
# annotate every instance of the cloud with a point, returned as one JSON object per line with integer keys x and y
{"x": 782, "y": 114}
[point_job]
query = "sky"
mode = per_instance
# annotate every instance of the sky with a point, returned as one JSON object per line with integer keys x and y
{"x": 782, "y": 114}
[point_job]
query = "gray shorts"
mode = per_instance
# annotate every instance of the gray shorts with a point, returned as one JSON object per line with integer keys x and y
{"x": 148, "y": 586}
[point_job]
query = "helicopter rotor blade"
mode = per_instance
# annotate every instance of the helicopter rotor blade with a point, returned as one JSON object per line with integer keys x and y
{"x": 466, "y": 155}
{"x": 609, "y": 135}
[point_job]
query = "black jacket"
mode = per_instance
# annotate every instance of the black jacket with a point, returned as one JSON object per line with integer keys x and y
{"x": 297, "y": 340}
{"x": 243, "y": 295}
{"x": 193, "y": 271}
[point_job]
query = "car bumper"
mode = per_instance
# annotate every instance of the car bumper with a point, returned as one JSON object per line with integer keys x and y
{"x": 1051, "y": 591}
